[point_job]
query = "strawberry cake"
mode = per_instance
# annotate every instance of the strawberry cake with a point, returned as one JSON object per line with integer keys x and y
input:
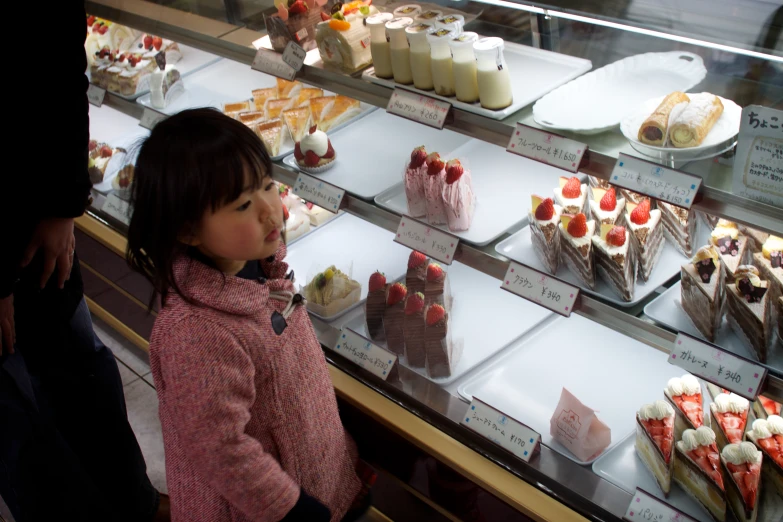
{"x": 416, "y": 275}
{"x": 702, "y": 292}
{"x": 655, "y": 441}
{"x": 394, "y": 318}
{"x": 576, "y": 246}
{"x": 767, "y": 435}
{"x": 684, "y": 393}
{"x": 614, "y": 260}
{"x": 698, "y": 471}
{"x": 764, "y": 407}
{"x": 433, "y": 189}
{"x": 605, "y": 207}
{"x": 544, "y": 231}
{"x": 646, "y": 236}
{"x": 729, "y": 418}
{"x": 415, "y": 178}
{"x": 375, "y": 306}
{"x": 742, "y": 463}
{"x": 731, "y": 244}
{"x": 437, "y": 342}
{"x": 571, "y": 195}
{"x": 414, "y": 330}
{"x": 458, "y": 197}
{"x": 314, "y": 153}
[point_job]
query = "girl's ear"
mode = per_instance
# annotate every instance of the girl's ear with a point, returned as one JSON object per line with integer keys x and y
{"x": 191, "y": 237}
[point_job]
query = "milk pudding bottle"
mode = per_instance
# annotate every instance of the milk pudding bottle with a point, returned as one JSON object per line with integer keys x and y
{"x": 452, "y": 22}
{"x": 421, "y": 64}
{"x": 464, "y": 67}
{"x": 399, "y": 50}
{"x": 407, "y": 11}
{"x": 494, "y": 82}
{"x": 440, "y": 53}
{"x": 379, "y": 44}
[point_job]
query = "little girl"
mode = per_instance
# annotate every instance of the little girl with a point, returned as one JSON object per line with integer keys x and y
{"x": 250, "y": 422}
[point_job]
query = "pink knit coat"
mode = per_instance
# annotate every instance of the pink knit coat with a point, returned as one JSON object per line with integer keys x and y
{"x": 248, "y": 416}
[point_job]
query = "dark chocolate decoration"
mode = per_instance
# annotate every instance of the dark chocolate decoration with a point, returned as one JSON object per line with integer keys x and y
{"x": 279, "y": 323}
{"x": 728, "y": 246}
{"x": 160, "y": 59}
{"x": 776, "y": 259}
{"x": 752, "y": 294}
{"x": 705, "y": 268}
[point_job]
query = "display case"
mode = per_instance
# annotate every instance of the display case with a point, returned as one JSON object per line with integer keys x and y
{"x": 673, "y": 119}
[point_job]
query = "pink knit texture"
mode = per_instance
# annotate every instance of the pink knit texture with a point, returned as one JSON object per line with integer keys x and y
{"x": 248, "y": 416}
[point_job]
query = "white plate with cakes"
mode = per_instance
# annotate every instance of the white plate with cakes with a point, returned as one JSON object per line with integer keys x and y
{"x": 710, "y": 128}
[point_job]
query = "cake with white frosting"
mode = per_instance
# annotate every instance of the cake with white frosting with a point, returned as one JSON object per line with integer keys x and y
{"x": 769, "y": 261}
{"x": 767, "y": 435}
{"x": 571, "y": 195}
{"x": 679, "y": 226}
{"x": 544, "y": 231}
{"x": 576, "y": 247}
{"x": 605, "y": 207}
{"x": 655, "y": 441}
{"x": 698, "y": 471}
{"x": 729, "y": 418}
{"x": 165, "y": 83}
{"x": 646, "y": 235}
{"x": 702, "y": 292}
{"x": 730, "y": 244}
{"x": 315, "y": 150}
{"x": 684, "y": 393}
{"x": 748, "y": 301}
{"x": 614, "y": 260}
{"x": 742, "y": 463}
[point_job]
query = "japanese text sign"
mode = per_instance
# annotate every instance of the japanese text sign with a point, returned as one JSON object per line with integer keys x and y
{"x": 543, "y": 289}
{"x": 758, "y": 165}
{"x": 318, "y": 192}
{"x": 656, "y": 181}
{"x": 366, "y": 354}
{"x": 427, "y": 240}
{"x": 419, "y": 108}
{"x": 546, "y": 147}
{"x": 501, "y": 429}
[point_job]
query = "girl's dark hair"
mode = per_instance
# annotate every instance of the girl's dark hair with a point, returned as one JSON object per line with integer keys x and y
{"x": 193, "y": 162}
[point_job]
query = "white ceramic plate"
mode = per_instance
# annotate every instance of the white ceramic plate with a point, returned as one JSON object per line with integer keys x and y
{"x": 599, "y": 100}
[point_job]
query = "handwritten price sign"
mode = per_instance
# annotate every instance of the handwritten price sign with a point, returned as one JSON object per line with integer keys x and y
{"x": 427, "y": 240}
{"x": 150, "y": 118}
{"x": 546, "y": 147}
{"x": 501, "y": 429}
{"x": 543, "y": 289}
{"x": 421, "y": 109}
{"x": 319, "y": 193}
{"x": 366, "y": 354}
{"x": 717, "y": 366}
{"x": 651, "y": 179}
{"x": 95, "y": 95}
{"x": 270, "y": 62}
{"x": 117, "y": 208}
{"x": 646, "y": 508}
{"x": 294, "y": 55}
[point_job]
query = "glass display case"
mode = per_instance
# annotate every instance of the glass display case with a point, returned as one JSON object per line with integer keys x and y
{"x": 674, "y": 116}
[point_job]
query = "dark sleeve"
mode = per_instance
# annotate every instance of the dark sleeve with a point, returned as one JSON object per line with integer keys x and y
{"x": 307, "y": 509}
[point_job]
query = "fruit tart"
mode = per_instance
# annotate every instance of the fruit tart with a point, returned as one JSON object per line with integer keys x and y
{"x": 655, "y": 441}
{"x": 314, "y": 153}
{"x": 767, "y": 435}
{"x": 742, "y": 464}
{"x": 697, "y": 470}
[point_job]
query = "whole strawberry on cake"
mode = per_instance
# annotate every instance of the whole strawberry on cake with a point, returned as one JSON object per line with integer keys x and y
{"x": 571, "y": 195}
{"x": 606, "y": 207}
{"x": 433, "y": 189}
{"x": 315, "y": 152}
{"x": 415, "y": 178}
{"x": 458, "y": 197}
{"x": 544, "y": 231}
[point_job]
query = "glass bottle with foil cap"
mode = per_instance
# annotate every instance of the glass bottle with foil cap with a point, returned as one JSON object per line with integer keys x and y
{"x": 379, "y": 44}
{"x": 421, "y": 64}
{"x": 452, "y": 22}
{"x": 494, "y": 82}
{"x": 399, "y": 50}
{"x": 407, "y": 11}
{"x": 464, "y": 67}
{"x": 442, "y": 68}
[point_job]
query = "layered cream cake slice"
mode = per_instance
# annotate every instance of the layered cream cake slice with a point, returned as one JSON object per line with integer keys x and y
{"x": 731, "y": 245}
{"x": 261, "y": 96}
{"x": 605, "y": 207}
{"x": 769, "y": 261}
{"x": 767, "y": 435}
{"x": 271, "y": 134}
{"x": 576, "y": 246}
{"x": 748, "y": 309}
{"x": 679, "y": 226}
{"x": 756, "y": 238}
{"x": 544, "y": 231}
{"x": 684, "y": 394}
{"x": 702, "y": 292}
{"x": 729, "y": 418}
{"x": 698, "y": 471}
{"x": 614, "y": 260}
{"x": 655, "y": 441}
{"x": 646, "y": 235}
{"x": 571, "y": 195}
{"x": 742, "y": 464}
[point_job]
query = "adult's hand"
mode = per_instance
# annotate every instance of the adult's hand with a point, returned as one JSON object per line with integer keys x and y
{"x": 7, "y": 333}
{"x": 55, "y": 237}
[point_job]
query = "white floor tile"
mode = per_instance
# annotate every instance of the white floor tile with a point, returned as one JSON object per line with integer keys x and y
{"x": 142, "y": 404}
{"x": 133, "y": 357}
{"x": 127, "y": 375}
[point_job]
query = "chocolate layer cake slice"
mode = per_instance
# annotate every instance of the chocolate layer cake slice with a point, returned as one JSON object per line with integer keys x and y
{"x": 646, "y": 236}
{"x": 413, "y": 330}
{"x": 417, "y": 272}
{"x": 748, "y": 309}
{"x": 437, "y": 343}
{"x": 571, "y": 195}
{"x": 679, "y": 226}
{"x": 698, "y": 471}
{"x": 576, "y": 247}
{"x": 606, "y": 208}
{"x": 435, "y": 285}
{"x": 770, "y": 264}
{"x": 394, "y": 319}
{"x": 544, "y": 232}
{"x": 614, "y": 260}
{"x": 375, "y": 306}
{"x": 731, "y": 245}
{"x": 702, "y": 293}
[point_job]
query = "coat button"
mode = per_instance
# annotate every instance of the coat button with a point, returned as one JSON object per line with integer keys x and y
{"x": 298, "y": 299}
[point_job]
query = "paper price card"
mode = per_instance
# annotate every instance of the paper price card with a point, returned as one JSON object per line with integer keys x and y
{"x": 543, "y": 289}
{"x": 427, "y": 240}
{"x": 319, "y": 193}
{"x": 366, "y": 354}
{"x": 294, "y": 55}
{"x": 546, "y": 147}
{"x": 95, "y": 95}
{"x": 501, "y": 429}
{"x": 419, "y": 108}
{"x": 717, "y": 366}
{"x": 270, "y": 62}
{"x": 117, "y": 208}
{"x": 656, "y": 181}
{"x": 646, "y": 508}
{"x": 150, "y": 118}
{"x": 758, "y": 165}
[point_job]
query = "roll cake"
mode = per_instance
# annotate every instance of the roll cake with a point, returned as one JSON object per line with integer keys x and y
{"x": 653, "y": 130}
{"x": 691, "y": 126}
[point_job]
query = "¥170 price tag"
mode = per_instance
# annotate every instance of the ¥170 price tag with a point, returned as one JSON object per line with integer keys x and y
{"x": 501, "y": 429}
{"x": 645, "y": 507}
{"x": 546, "y": 147}
{"x": 95, "y": 94}
{"x": 419, "y": 108}
{"x": 117, "y": 208}
{"x": 543, "y": 289}
{"x": 150, "y": 118}
{"x": 294, "y": 55}
{"x": 319, "y": 193}
{"x": 427, "y": 240}
{"x": 270, "y": 62}
{"x": 717, "y": 366}
{"x": 365, "y": 353}
{"x": 656, "y": 181}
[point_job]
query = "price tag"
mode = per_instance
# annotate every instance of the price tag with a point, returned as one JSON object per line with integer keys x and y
{"x": 501, "y": 429}
{"x": 117, "y": 208}
{"x": 427, "y": 240}
{"x": 294, "y": 55}
{"x": 318, "y": 192}
{"x": 721, "y": 368}
{"x": 270, "y": 62}
{"x": 95, "y": 95}
{"x": 419, "y": 108}
{"x": 656, "y": 181}
{"x": 365, "y": 353}
{"x": 543, "y": 289}
{"x": 546, "y": 147}
{"x": 646, "y": 508}
{"x": 758, "y": 165}
{"x": 150, "y": 118}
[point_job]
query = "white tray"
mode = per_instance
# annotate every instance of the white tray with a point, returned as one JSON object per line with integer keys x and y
{"x": 519, "y": 247}
{"x": 599, "y": 100}
{"x": 667, "y": 309}
{"x": 721, "y": 137}
{"x": 486, "y": 319}
{"x": 586, "y": 358}
{"x": 495, "y": 175}
{"x": 118, "y": 130}
{"x": 551, "y": 71}
{"x": 371, "y": 155}
{"x": 228, "y": 81}
{"x": 315, "y": 228}
{"x": 348, "y": 241}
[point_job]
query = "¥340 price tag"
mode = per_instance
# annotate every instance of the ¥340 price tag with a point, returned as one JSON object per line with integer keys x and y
{"x": 656, "y": 181}
{"x": 117, "y": 208}
{"x": 366, "y": 354}
{"x": 427, "y": 240}
{"x": 546, "y": 147}
{"x": 270, "y": 62}
{"x": 721, "y": 368}
{"x": 318, "y": 192}
{"x": 95, "y": 95}
{"x": 419, "y": 108}
{"x": 543, "y": 289}
{"x": 150, "y": 118}
{"x": 501, "y": 429}
{"x": 646, "y": 508}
